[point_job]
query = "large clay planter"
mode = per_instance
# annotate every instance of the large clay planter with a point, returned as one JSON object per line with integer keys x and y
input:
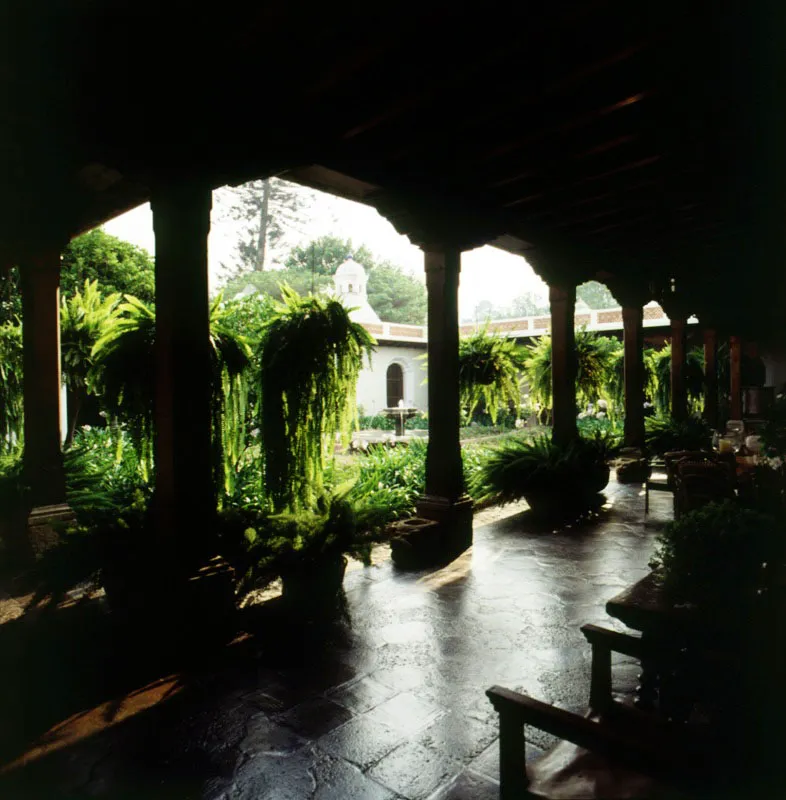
{"x": 315, "y": 588}
{"x": 569, "y": 498}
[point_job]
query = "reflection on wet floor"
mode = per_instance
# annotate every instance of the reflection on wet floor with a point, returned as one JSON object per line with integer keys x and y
{"x": 391, "y": 707}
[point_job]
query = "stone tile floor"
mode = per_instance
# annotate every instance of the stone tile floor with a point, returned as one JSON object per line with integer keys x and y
{"x": 392, "y": 706}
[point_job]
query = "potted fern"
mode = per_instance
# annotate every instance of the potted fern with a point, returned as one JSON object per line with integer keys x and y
{"x": 555, "y": 480}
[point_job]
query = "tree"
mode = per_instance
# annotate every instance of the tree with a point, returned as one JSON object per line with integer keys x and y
{"x": 596, "y": 295}
{"x": 324, "y": 255}
{"x": 484, "y": 311}
{"x": 116, "y": 265}
{"x": 529, "y": 305}
{"x": 267, "y": 210}
{"x": 269, "y": 282}
{"x": 395, "y": 295}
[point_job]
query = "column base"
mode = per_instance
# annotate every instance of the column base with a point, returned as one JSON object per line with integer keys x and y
{"x": 632, "y": 466}
{"x": 440, "y": 532}
{"x": 42, "y": 524}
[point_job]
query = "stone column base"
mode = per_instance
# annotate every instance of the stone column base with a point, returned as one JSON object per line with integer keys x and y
{"x": 42, "y": 526}
{"x": 440, "y": 532}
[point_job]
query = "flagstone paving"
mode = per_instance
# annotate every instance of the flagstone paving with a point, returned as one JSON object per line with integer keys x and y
{"x": 392, "y": 706}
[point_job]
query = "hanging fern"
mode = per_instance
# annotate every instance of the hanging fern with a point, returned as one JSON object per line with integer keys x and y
{"x": 126, "y": 380}
{"x": 489, "y": 369}
{"x": 126, "y": 356}
{"x": 84, "y": 318}
{"x": 694, "y": 378}
{"x": 11, "y": 387}
{"x": 595, "y": 361}
{"x": 230, "y": 362}
{"x": 311, "y": 354}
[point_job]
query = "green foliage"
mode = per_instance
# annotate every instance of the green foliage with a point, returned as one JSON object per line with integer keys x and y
{"x": 116, "y": 266}
{"x": 10, "y": 297}
{"x": 104, "y": 476}
{"x": 230, "y": 363}
{"x": 11, "y": 387}
{"x": 269, "y": 282}
{"x": 264, "y": 546}
{"x": 694, "y": 377}
{"x": 326, "y": 254}
{"x": 126, "y": 376}
{"x": 596, "y": 295}
{"x": 125, "y": 361}
{"x": 664, "y": 434}
{"x": 592, "y": 427}
{"x": 520, "y": 467}
{"x": 489, "y": 369}
{"x": 393, "y": 477}
{"x": 595, "y": 357}
{"x": 395, "y": 295}
{"x": 716, "y": 553}
{"x": 311, "y": 354}
{"x": 267, "y": 209}
{"x": 84, "y": 318}
{"x": 382, "y": 422}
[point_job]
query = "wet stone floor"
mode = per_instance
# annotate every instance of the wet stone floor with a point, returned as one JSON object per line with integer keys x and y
{"x": 391, "y": 706}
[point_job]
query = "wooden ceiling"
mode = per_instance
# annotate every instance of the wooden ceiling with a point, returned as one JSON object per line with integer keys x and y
{"x": 636, "y": 142}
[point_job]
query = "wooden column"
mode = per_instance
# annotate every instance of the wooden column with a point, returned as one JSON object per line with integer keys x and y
{"x": 632, "y": 323}
{"x": 735, "y": 372}
{"x": 563, "y": 363}
{"x": 43, "y": 458}
{"x": 445, "y": 499}
{"x": 679, "y": 396}
{"x": 711, "y": 377}
{"x": 185, "y": 494}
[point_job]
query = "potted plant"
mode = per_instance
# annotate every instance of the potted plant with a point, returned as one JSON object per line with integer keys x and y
{"x": 306, "y": 549}
{"x": 553, "y": 479}
{"x": 715, "y": 557}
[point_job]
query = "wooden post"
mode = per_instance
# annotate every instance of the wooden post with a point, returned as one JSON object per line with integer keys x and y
{"x": 679, "y": 396}
{"x": 444, "y": 500}
{"x": 512, "y": 757}
{"x": 711, "y": 377}
{"x": 735, "y": 370}
{"x": 632, "y": 322}
{"x": 185, "y": 492}
{"x": 563, "y": 363}
{"x": 600, "y": 679}
{"x": 43, "y": 458}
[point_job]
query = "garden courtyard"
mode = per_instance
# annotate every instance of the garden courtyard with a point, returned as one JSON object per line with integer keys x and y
{"x": 391, "y": 705}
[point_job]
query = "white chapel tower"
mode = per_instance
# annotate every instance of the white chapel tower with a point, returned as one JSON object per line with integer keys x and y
{"x": 351, "y": 288}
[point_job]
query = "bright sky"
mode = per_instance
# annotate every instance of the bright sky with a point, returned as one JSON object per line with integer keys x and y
{"x": 486, "y": 273}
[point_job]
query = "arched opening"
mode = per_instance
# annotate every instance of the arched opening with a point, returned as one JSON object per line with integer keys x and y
{"x": 395, "y": 379}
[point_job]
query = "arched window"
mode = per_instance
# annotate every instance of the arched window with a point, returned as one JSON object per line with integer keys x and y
{"x": 395, "y": 377}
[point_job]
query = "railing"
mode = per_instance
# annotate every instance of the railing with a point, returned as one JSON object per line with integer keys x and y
{"x": 605, "y": 319}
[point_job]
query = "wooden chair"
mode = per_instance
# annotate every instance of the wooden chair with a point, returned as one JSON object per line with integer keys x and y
{"x": 614, "y": 751}
{"x": 700, "y": 479}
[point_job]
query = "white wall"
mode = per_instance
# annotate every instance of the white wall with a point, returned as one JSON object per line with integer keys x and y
{"x": 372, "y": 383}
